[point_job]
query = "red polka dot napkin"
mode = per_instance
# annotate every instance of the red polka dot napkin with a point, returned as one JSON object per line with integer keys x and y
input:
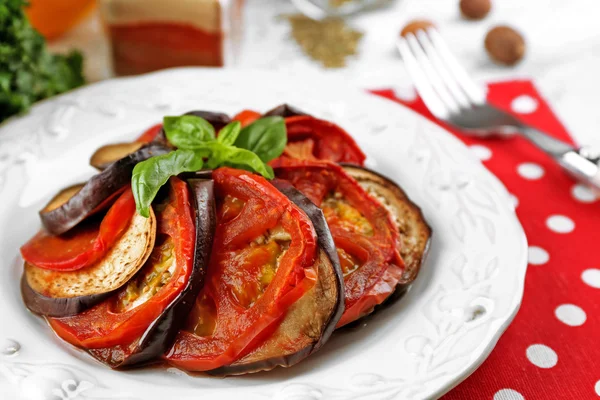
{"x": 552, "y": 348}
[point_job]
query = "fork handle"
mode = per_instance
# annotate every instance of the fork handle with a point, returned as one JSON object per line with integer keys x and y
{"x": 582, "y": 166}
{"x": 553, "y": 147}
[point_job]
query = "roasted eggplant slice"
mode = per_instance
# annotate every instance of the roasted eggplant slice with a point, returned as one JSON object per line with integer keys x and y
{"x": 284, "y": 110}
{"x": 216, "y": 119}
{"x": 110, "y": 153}
{"x": 97, "y": 194}
{"x": 311, "y": 320}
{"x": 138, "y": 324}
{"x": 367, "y": 239}
{"x": 407, "y": 216}
{"x": 64, "y": 293}
{"x": 271, "y": 282}
{"x": 83, "y": 245}
{"x": 62, "y": 197}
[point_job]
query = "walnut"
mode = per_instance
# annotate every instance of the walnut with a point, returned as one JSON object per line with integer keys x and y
{"x": 475, "y": 9}
{"x": 505, "y": 45}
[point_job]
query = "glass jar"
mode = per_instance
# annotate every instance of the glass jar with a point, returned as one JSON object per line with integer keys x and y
{"x": 52, "y": 18}
{"x": 149, "y": 35}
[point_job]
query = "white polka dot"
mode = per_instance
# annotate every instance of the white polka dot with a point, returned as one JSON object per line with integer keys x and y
{"x": 583, "y": 194}
{"x": 524, "y": 104}
{"x": 597, "y": 388}
{"x": 481, "y": 152}
{"x": 591, "y": 277}
{"x": 508, "y": 394}
{"x": 514, "y": 200}
{"x": 405, "y": 93}
{"x": 542, "y": 356}
{"x": 560, "y": 224}
{"x": 570, "y": 314}
{"x": 537, "y": 255}
{"x": 530, "y": 171}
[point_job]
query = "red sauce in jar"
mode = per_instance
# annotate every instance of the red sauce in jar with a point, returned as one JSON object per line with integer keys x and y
{"x": 149, "y": 46}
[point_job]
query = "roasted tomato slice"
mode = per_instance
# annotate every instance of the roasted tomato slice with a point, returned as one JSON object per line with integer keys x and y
{"x": 310, "y": 138}
{"x": 262, "y": 262}
{"x": 246, "y": 117}
{"x": 83, "y": 245}
{"x": 113, "y": 329}
{"x": 150, "y": 134}
{"x": 366, "y": 239}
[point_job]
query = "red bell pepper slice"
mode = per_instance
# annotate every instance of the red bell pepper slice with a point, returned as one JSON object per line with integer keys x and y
{"x": 108, "y": 324}
{"x": 251, "y": 280}
{"x": 363, "y": 231}
{"x": 310, "y": 138}
{"x": 85, "y": 244}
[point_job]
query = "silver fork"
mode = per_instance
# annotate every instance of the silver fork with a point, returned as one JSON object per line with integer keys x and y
{"x": 453, "y": 97}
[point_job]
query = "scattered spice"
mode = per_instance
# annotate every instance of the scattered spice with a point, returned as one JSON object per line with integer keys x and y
{"x": 329, "y": 41}
{"x": 416, "y": 25}
{"x": 505, "y": 45}
{"x": 338, "y": 3}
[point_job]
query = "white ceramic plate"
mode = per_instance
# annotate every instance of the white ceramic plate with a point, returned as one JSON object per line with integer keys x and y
{"x": 464, "y": 298}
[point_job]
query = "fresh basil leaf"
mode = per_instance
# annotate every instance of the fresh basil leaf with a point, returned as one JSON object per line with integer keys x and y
{"x": 150, "y": 175}
{"x": 245, "y": 159}
{"x": 266, "y": 137}
{"x": 222, "y": 154}
{"x": 188, "y": 131}
{"x": 195, "y": 140}
{"x": 229, "y": 133}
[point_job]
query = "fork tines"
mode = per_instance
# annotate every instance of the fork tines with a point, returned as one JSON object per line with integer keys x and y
{"x": 442, "y": 82}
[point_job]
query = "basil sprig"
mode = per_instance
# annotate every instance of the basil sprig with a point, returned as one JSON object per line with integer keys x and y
{"x": 250, "y": 148}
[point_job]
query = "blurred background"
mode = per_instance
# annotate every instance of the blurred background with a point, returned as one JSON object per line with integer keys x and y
{"x": 351, "y": 40}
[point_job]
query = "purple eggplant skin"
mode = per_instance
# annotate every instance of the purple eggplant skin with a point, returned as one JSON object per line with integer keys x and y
{"x": 58, "y": 307}
{"x": 161, "y": 334}
{"x": 97, "y": 192}
{"x": 217, "y": 119}
{"x": 284, "y": 110}
{"x": 202, "y": 174}
{"x": 327, "y": 245}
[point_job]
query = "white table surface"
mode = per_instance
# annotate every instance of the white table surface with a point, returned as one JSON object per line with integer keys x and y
{"x": 563, "y": 52}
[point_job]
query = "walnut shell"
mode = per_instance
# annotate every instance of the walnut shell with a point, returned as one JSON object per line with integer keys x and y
{"x": 505, "y": 45}
{"x": 475, "y": 9}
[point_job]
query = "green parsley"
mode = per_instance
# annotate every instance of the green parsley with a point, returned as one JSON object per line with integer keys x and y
{"x": 28, "y": 72}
